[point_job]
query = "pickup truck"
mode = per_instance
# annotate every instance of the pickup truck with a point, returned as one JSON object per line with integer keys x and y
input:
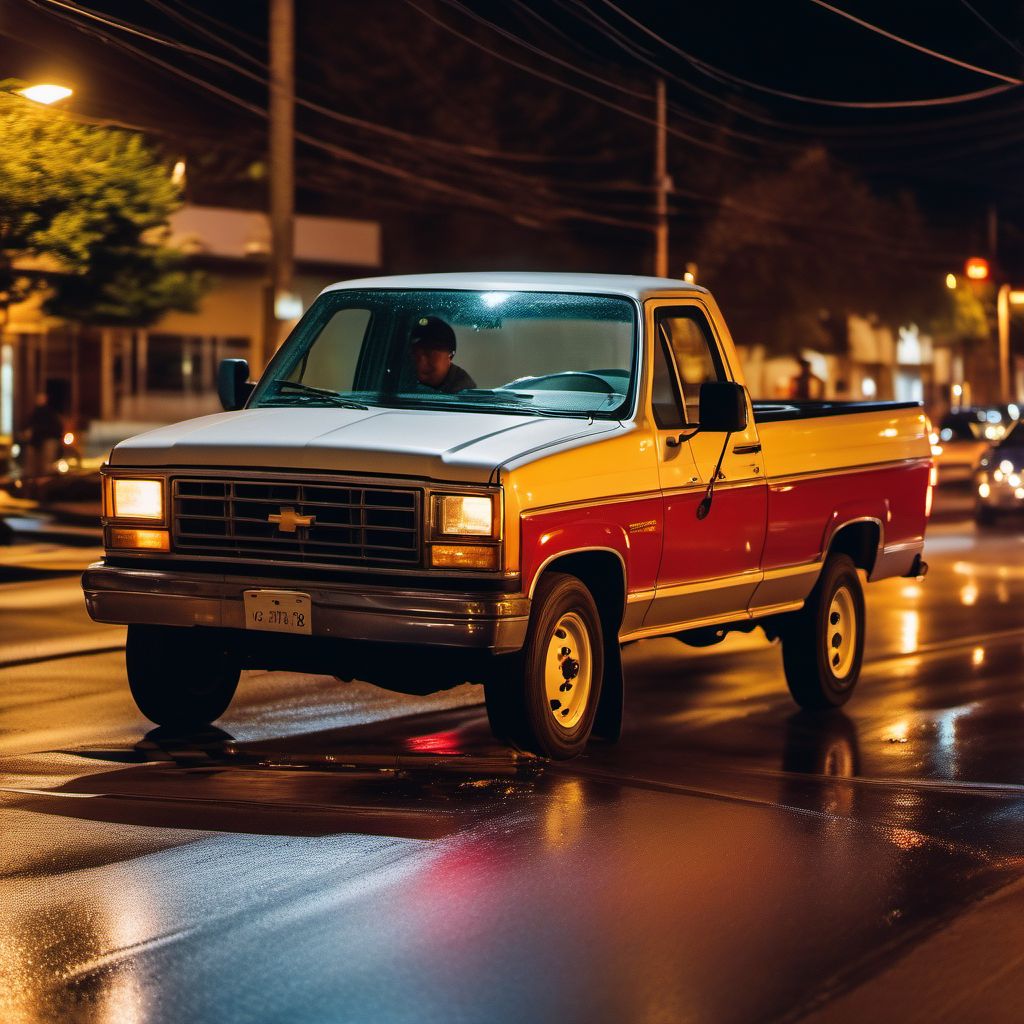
{"x": 501, "y": 479}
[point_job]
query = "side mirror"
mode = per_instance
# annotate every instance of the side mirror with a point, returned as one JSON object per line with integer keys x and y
{"x": 723, "y": 407}
{"x": 233, "y": 387}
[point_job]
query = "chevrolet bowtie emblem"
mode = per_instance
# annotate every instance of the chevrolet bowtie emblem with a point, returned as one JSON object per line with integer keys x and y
{"x": 288, "y": 521}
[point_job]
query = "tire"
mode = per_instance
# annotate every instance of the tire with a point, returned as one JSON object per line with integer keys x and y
{"x": 985, "y": 516}
{"x": 543, "y": 700}
{"x": 823, "y": 643}
{"x": 181, "y": 678}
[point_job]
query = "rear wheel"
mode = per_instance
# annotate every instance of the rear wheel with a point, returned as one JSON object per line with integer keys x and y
{"x": 544, "y": 699}
{"x": 823, "y": 643}
{"x": 181, "y": 678}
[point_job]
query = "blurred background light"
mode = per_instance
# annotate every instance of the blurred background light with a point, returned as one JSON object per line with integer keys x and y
{"x": 45, "y": 93}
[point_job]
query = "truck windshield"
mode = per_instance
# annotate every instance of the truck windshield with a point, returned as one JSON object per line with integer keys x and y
{"x": 534, "y": 353}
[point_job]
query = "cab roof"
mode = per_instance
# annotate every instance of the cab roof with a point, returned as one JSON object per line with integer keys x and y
{"x": 638, "y": 288}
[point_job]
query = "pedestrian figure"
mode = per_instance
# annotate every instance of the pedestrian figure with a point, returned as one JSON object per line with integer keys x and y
{"x": 41, "y": 439}
{"x": 804, "y": 386}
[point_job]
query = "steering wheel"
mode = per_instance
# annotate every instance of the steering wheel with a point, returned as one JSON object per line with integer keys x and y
{"x": 569, "y": 378}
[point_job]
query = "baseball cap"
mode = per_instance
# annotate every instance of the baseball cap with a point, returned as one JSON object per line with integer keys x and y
{"x": 433, "y": 332}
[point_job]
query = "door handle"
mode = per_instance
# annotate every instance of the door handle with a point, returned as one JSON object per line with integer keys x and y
{"x": 747, "y": 449}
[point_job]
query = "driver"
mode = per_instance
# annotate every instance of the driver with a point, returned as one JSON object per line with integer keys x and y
{"x": 433, "y": 347}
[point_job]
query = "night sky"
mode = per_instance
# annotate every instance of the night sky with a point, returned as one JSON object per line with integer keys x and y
{"x": 566, "y": 128}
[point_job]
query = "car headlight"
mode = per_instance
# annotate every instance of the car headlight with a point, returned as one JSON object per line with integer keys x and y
{"x": 464, "y": 515}
{"x": 137, "y": 499}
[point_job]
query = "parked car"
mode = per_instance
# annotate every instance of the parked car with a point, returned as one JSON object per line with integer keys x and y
{"x": 965, "y": 435}
{"x": 999, "y": 479}
{"x": 590, "y": 472}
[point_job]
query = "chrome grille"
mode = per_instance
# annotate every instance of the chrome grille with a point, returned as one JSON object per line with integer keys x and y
{"x": 355, "y": 524}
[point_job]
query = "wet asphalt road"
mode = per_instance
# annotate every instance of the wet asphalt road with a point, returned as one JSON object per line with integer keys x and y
{"x": 333, "y": 852}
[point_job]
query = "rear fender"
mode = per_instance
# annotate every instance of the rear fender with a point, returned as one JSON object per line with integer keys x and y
{"x": 849, "y": 516}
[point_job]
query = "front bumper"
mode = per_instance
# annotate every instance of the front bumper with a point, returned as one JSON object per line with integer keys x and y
{"x": 489, "y": 622}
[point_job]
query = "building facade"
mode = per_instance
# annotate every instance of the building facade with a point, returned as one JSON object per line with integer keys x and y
{"x": 112, "y": 382}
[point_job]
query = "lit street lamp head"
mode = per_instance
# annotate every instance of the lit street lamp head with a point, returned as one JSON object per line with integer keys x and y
{"x": 45, "y": 93}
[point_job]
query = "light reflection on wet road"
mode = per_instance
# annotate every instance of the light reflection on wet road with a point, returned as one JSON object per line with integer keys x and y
{"x": 339, "y": 853}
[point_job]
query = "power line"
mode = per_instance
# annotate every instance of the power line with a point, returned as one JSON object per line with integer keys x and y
{"x": 407, "y": 137}
{"x": 464, "y": 195}
{"x": 841, "y": 135}
{"x": 572, "y": 88}
{"x": 451, "y": 191}
{"x": 726, "y": 77}
{"x": 988, "y": 24}
{"x": 216, "y": 37}
{"x": 583, "y": 72}
{"x": 917, "y": 46}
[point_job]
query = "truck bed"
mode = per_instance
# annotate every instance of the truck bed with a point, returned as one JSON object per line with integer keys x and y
{"x": 774, "y": 412}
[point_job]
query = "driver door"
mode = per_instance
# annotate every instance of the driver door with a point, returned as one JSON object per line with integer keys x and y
{"x": 709, "y": 567}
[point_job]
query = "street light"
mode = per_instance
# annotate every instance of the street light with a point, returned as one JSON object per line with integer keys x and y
{"x": 45, "y": 93}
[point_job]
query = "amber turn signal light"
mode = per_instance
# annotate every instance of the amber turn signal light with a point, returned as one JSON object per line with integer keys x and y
{"x": 463, "y": 556}
{"x": 146, "y": 540}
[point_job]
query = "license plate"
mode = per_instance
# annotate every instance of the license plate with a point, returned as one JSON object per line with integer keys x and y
{"x": 278, "y": 611}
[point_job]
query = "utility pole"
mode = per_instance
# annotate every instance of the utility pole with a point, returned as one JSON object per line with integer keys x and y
{"x": 282, "y": 171}
{"x": 661, "y": 187}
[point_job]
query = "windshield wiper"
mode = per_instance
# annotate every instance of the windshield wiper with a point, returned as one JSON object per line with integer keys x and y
{"x": 300, "y": 390}
{"x": 439, "y": 405}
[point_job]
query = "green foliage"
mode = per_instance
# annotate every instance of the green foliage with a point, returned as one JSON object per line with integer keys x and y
{"x": 88, "y": 206}
{"x": 963, "y": 316}
{"x": 126, "y": 286}
{"x": 804, "y": 245}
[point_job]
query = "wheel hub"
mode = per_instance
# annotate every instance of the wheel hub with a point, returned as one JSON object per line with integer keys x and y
{"x": 568, "y": 668}
{"x": 841, "y": 633}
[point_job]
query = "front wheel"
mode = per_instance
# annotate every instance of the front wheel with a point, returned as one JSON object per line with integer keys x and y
{"x": 823, "y": 643}
{"x": 181, "y": 678}
{"x": 544, "y": 699}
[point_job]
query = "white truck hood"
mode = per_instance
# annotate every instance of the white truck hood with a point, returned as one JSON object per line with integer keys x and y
{"x": 425, "y": 444}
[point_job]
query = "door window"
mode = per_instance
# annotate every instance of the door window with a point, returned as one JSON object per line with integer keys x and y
{"x": 688, "y": 335}
{"x": 665, "y": 401}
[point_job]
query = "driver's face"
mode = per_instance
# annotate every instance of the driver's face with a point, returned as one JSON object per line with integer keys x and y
{"x": 432, "y": 364}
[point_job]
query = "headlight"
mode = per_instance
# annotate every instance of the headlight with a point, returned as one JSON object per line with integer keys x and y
{"x": 459, "y": 515}
{"x": 138, "y": 499}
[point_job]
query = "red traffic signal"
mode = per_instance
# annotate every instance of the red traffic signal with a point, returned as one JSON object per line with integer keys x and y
{"x": 976, "y": 269}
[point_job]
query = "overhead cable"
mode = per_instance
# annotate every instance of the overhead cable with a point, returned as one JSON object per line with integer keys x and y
{"x": 544, "y": 76}
{"x": 619, "y": 87}
{"x": 988, "y": 24}
{"x": 917, "y": 46}
{"x": 261, "y": 79}
{"x": 726, "y": 77}
{"x": 454, "y": 192}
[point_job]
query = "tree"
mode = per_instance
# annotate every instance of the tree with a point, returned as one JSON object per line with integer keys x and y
{"x": 793, "y": 249}
{"x": 85, "y": 208}
{"x": 128, "y": 285}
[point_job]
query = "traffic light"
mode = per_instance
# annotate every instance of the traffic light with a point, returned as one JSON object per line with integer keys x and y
{"x": 976, "y": 269}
